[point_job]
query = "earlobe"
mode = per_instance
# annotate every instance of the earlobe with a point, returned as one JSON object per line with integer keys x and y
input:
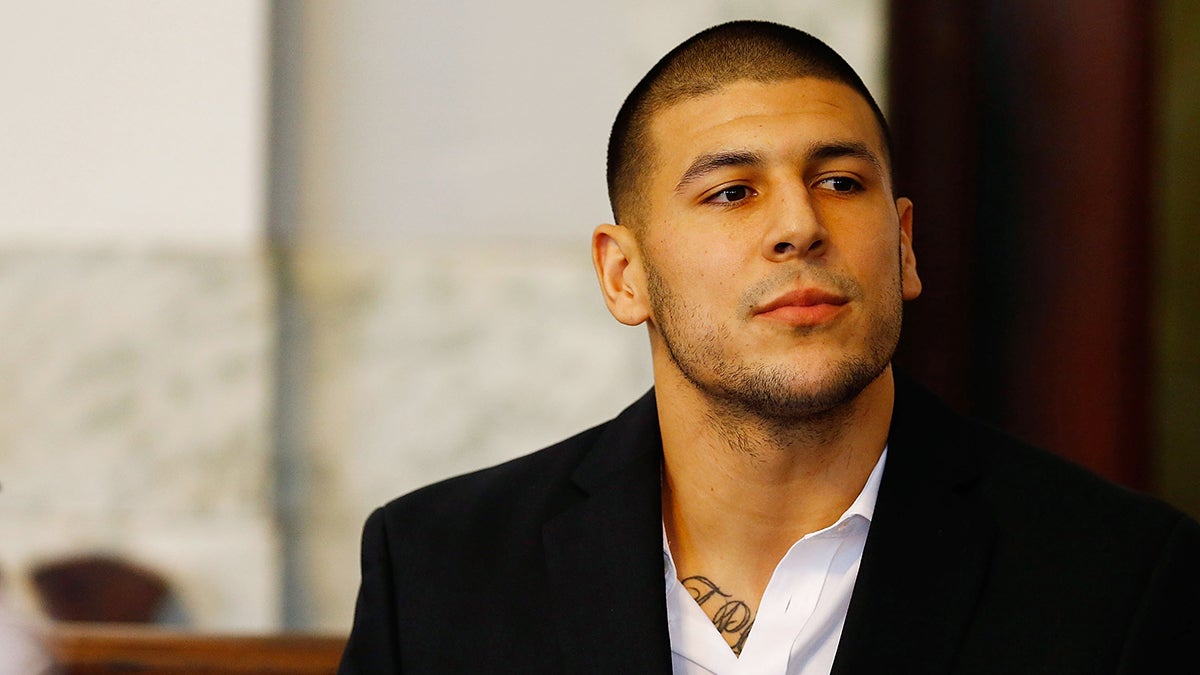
{"x": 615, "y": 255}
{"x": 910, "y": 283}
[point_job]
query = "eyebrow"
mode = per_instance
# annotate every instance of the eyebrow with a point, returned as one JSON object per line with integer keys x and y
{"x": 709, "y": 162}
{"x": 817, "y": 152}
{"x": 827, "y": 150}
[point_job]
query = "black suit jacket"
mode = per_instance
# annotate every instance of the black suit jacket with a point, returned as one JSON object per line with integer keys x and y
{"x": 984, "y": 556}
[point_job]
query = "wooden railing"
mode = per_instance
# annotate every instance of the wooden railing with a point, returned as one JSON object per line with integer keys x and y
{"x": 98, "y": 649}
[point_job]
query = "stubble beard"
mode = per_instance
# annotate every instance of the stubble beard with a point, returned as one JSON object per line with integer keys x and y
{"x": 782, "y": 396}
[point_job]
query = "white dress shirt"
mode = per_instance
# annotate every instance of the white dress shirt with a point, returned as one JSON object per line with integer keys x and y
{"x": 800, "y": 617}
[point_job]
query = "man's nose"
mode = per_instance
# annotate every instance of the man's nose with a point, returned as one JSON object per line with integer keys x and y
{"x": 795, "y": 230}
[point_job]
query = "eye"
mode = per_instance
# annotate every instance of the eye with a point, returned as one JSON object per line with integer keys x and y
{"x": 731, "y": 194}
{"x": 843, "y": 184}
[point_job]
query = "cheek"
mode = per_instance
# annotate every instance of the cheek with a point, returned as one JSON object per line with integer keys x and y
{"x": 697, "y": 265}
{"x": 877, "y": 264}
{"x": 884, "y": 247}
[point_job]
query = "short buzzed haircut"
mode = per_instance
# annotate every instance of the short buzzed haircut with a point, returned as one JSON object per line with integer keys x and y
{"x": 758, "y": 51}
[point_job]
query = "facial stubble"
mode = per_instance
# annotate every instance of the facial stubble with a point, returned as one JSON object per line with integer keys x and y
{"x": 780, "y": 395}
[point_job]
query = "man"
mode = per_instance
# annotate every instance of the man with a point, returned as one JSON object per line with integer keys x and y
{"x": 781, "y": 502}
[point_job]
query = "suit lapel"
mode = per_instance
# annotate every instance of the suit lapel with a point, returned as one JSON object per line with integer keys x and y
{"x": 928, "y": 549}
{"x": 604, "y": 555}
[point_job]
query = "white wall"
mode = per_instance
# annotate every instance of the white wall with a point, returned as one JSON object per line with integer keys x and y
{"x": 136, "y": 353}
{"x": 137, "y": 122}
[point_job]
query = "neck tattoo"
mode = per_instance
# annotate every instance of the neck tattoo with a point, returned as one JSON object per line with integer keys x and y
{"x": 732, "y": 618}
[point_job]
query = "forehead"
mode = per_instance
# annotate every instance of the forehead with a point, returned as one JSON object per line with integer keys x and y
{"x": 781, "y": 116}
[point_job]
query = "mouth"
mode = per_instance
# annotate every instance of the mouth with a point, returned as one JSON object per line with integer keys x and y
{"x": 806, "y": 307}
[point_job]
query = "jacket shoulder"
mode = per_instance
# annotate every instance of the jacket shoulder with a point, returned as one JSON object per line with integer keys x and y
{"x": 1081, "y": 573}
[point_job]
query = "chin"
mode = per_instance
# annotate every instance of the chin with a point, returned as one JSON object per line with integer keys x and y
{"x": 785, "y": 393}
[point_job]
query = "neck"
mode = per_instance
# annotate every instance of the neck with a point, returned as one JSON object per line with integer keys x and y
{"x": 746, "y": 485}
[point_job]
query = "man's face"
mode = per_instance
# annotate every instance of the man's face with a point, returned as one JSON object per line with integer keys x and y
{"x": 774, "y": 255}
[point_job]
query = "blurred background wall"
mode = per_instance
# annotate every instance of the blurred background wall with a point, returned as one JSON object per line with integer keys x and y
{"x": 266, "y": 265}
{"x": 136, "y": 306}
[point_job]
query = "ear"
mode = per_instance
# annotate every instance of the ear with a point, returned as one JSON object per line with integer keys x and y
{"x": 616, "y": 257}
{"x": 910, "y": 283}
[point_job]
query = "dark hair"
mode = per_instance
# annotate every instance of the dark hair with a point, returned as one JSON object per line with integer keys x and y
{"x": 759, "y": 51}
